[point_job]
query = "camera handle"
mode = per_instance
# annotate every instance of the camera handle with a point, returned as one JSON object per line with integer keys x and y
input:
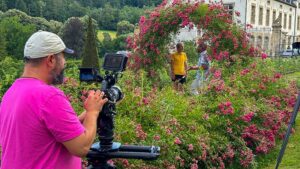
{"x": 286, "y": 138}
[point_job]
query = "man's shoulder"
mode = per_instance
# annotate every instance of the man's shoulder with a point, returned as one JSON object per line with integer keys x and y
{"x": 46, "y": 91}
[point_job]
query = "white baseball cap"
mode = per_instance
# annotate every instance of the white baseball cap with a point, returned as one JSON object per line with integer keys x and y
{"x": 43, "y": 43}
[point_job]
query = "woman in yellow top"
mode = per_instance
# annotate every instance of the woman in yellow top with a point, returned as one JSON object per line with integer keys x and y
{"x": 178, "y": 67}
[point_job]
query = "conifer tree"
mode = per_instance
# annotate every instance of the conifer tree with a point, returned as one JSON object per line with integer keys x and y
{"x": 3, "y": 52}
{"x": 21, "y": 5}
{"x": 3, "y": 6}
{"x": 90, "y": 53}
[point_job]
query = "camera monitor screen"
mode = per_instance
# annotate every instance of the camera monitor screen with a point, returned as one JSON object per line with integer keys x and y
{"x": 114, "y": 62}
{"x": 87, "y": 74}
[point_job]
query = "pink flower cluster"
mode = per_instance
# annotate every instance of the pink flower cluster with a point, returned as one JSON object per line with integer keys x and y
{"x": 226, "y": 108}
{"x": 177, "y": 141}
{"x": 216, "y": 85}
{"x": 244, "y": 72}
{"x": 247, "y": 117}
{"x": 140, "y": 134}
{"x": 246, "y": 157}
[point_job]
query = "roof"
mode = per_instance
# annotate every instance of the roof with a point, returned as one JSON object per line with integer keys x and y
{"x": 288, "y": 2}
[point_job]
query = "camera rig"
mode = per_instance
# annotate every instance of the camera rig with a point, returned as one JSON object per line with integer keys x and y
{"x": 106, "y": 149}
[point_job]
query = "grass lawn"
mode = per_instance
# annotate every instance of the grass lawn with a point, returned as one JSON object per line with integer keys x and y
{"x": 113, "y": 34}
{"x": 291, "y": 158}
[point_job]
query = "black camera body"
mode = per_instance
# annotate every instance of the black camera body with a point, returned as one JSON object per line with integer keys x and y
{"x": 101, "y": 152}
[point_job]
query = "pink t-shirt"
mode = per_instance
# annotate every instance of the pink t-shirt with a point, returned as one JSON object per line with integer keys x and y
{"x": 35, "y": 118}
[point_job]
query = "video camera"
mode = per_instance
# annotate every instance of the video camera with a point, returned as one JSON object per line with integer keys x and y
{"x": 106, "y": 149}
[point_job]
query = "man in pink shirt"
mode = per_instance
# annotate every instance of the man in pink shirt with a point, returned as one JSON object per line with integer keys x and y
{"x": 38, "y": 127}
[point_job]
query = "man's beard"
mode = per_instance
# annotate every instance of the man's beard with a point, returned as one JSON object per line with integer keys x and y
{"x": 58, "y": 78}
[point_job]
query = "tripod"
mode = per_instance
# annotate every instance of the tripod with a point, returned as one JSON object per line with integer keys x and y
{"x": 287, "y": 135}
{"x": 106, "y": 149}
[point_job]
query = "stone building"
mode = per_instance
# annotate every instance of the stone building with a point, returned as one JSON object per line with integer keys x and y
{"x": 275, "y": 23}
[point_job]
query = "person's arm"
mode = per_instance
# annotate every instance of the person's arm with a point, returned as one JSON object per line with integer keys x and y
{"x": 172, "y": 68}
{"x": 193, "y": 68}
{"x": 185, "y": 64}
{"x": 80, "y": 145}
{"x": 185, "y": 67}
{"x": 82, "y": 116}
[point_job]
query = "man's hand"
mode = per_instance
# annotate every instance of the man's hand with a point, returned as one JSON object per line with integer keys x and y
{"x": 94, "y": 102}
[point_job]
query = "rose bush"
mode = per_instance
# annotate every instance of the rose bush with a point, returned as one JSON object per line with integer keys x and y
{"x": 226, "y": 127}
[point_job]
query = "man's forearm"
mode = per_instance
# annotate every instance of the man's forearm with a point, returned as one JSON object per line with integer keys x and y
{"x": 82, "y": 116}
{"x": 90, "y": 125}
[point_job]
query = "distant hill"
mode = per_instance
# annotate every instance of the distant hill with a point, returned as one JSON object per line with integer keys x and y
{"x": 107, "y": 12}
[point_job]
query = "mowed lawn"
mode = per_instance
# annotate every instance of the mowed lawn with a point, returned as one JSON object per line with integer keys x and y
{"x": 113, "y": 34}
{"x": 291, "y": 158}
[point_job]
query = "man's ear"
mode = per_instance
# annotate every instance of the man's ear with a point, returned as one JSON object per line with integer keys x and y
{"x": 51, "y": 61}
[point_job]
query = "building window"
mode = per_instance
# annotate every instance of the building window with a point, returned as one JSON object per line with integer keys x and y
{"x": 253, "y": 14}
{"x": 298, "y": 23}
{"x": 259, "y": 42}
{"x": 268, "y": 17}
{"x": 252, "y": 40}
{"x": 274, "y": 15}
{"x": 266, "y": 43}
{"x": 261, "y": 13}
{"x": 284, "y": 21}
{"x": 290, "y": 22}
{"x": 230, "y": 9}
{"x": 280, "y": 16}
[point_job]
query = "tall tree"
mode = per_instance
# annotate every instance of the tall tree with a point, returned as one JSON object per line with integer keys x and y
{"x": 3, "y": 6}
{"x": 109, "y": 17}
{"x": 21, "y": 5}
{"x": 107, "y": 45}
{"x": 90, "y": 53}
{"x": 16, "y": 35}
{"x": 41, "y": 6}
{"x": 73, "y": 35}
{"x": 2, "y": 44}
{"x": 124, "y": 27}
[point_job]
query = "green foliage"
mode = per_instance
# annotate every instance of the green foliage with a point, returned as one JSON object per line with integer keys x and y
{"x": 200, "y": 12}
{"x": 131, "y": 14}
{"x": 16, "y": 35}
{"x": 40, "y": 23}
{"x": 3, "y": 43}
{"x": 107, "y": 45}
{"x": 108, "y": 18}
{"x": 165, "y": 116}
{"x": 112, "y": 34}
{"x": 10, "y": 69}
{"x": 120, "y": 42}
{"x": 73, "y": 34}
{"x": 190, "y": 49}
{"x": 90, "y": 55}
{"x": 107, "y": 13}
{"x": 3, "y": 6}
{"x": 287, "y": 65}
{"x": 124, "y": 27}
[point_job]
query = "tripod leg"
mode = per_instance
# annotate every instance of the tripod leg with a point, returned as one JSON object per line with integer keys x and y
{"x": 286, "y": 138}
